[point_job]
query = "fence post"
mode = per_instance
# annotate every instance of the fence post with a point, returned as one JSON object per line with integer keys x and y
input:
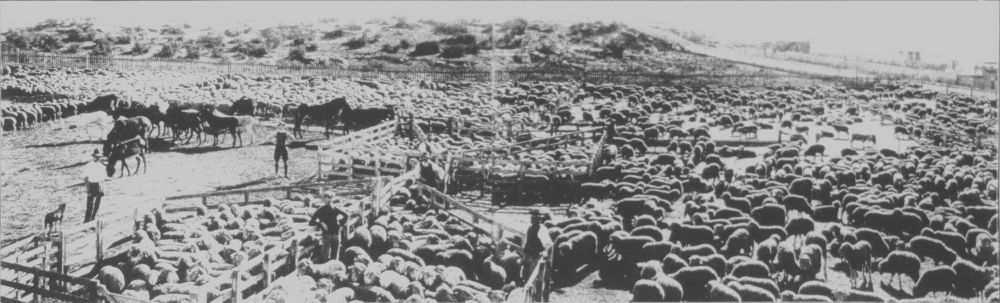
{"x": 236, "y": 289}
{"x": 35, "y": 282}
{"x": 246, "y": 197}
{"x": 267, "y": 269}
{"x": 294, "y": 257}
{"x": 100, "y": 241}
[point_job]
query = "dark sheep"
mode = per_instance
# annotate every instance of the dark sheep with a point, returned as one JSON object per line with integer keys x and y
{"x": 971, "y": 279}
{"x": 690, "y": 251}
{"x": 752, "y": 293}
{"x": 936, "y": 279}
{"x": 690, "y": 235}
{"x": 715, "y": 261}
{"x": 769, "y": 215}
{"x": 754, "y": 268}
{"x": 695, "y": 281}
{"x": 926, "y": 247}
{"x": 798, "y": 203}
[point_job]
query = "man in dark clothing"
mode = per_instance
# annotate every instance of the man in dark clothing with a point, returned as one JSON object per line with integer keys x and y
{"x": 328, "y": 221}
{"x": 280, "y": 151}
{"x": 536, "y": 241}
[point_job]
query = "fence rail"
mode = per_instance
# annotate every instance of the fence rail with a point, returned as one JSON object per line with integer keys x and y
{"x": 474, "y": 74}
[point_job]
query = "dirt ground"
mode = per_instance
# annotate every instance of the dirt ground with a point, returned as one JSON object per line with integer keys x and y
{"x": 40, "y": 168}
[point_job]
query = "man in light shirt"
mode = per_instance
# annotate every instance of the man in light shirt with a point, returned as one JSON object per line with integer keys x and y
{"x": 94, "y": 174}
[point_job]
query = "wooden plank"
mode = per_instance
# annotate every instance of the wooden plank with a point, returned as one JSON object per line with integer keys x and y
{"x": 44, "y": 292}
{"x": 43, "y": 273}
{"x": 263, "y": 189}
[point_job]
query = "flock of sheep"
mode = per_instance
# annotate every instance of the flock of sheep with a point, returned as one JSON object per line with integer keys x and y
{"x": 681, "y": 225}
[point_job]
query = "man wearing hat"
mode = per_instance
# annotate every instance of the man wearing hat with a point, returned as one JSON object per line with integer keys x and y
{"x": 536, "y": 241}
{"x": 327, "y": 218}
{"x": 280, "y": 151}
{"x": 94, "y": 174}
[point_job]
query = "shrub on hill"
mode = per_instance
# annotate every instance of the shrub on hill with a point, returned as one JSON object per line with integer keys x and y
{"x": 403, "y": 44}
{"x": 73, "y": 48}
{"x": 516, "y": 26}
{"x": 335, "y": 34}
{"x": 139, "y": 49}
{"x": 102, "y": 47}
{"x": 298, "y": 54}
{"x": 389, "y": 49}
{"x": 17, "y": 39}
{"x": 80, "y": 35}
{"x": 48, "y": 43}
{"x": 168, "y": 51}
{"x": 357, "y": 42}
{"x": 311, "y": 47}
{"x": 169, "y": 30}
{"x": 232, "y": 33}
{"x": 455, "y": 28}
{"x": 193, "y": 52}
{"x": 123, "y": 40}
{"x": 425, "y": 48}
{"x": 211, "y": 41}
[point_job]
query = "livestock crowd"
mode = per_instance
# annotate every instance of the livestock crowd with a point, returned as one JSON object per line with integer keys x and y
{"x": 678, "y": 223}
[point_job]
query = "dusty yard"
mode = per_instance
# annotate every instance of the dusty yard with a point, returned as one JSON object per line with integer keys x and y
{"x": 40, "y": 168}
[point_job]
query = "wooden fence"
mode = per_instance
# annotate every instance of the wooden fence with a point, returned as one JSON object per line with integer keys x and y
{"x": 538, "y": 286}
{"x": 330, "y": 153}
{"x": 475, "y": 74}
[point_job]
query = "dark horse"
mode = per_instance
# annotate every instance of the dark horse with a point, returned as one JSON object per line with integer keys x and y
{"x": 108, "y": 103}
{"x": 220, "y": 122}
{"x": 128, "y": 128}
{"x": 324, "y": 113}
{"x": 121, "y": 151}
{"x": 244, "y": 107}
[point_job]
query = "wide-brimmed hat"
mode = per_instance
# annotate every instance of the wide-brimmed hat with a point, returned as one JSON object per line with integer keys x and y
{"x": 542, "y": 213}
{"x": 97, "y": 153}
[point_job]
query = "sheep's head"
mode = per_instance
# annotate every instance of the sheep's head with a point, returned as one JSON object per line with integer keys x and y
{"x": 305, "y": 266}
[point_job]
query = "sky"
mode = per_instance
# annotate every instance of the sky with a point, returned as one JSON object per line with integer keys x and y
{"x": 965, "y": 30}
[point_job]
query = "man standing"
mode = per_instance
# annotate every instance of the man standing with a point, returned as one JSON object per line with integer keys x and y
{"x": 94, "y": 174}
{"x": 536, "y": 241}
{"x": 280, "y": 151}
{"x": 328, "y": 221}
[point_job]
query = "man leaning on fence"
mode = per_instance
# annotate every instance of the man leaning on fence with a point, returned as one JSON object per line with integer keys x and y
{"x": 327, "y": 219}
{"x": 536, "y": 241}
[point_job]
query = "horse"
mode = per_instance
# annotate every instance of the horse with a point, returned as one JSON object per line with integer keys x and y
{"x": 121, "y": 151}
{"x": 235, "y": 124}
{"x": 324, "y": 113}
{"x": 86, "y": 120}
{"x": 862, "y": 138}
{"x": 128, "y": 128}
{"x": 366, "y": 117}
{"x": 243, "y": 107}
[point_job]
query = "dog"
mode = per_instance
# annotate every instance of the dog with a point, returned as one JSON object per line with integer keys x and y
{"x": 54, "y": 217}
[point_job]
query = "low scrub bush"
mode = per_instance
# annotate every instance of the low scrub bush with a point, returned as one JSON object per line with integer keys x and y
{"x": 455, "y": 28}
{"x": 139, "y": 49}
{"x": 193, "y": 52}
{"x": 297, "y": 54}
{"x": 18, "y": 40}
{"x": 123, "y": 40}
{"x": 80, "y": 35}
{"x": 311, "y": 47}
{"x": 102, "y": 47}
{"x": 210, "y": 41}
{"x": 389, "y": 49}
{"x": 426, "y": 48}
{"x": 516, "y": 26}
{"x": 335, "y": 34}
{"x": 169, "y": 50}
{"x": 356, "y": 43}
{"x": 458, "y": 51}
{"x": 460, "y": 39}
{"x": 232, "y": 33}
{"x": 298, "y": 41}
{"x": 403, "y": 44}
{"x": 169, "y": 30}
{"x": 48, "y": 43}
{"x": 353, "y": 27}
{"x": 73, "y": 48}
{"x": 258, "y": 51}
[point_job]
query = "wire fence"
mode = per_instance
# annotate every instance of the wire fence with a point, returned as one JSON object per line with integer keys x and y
{"x": 376, "y": 71}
